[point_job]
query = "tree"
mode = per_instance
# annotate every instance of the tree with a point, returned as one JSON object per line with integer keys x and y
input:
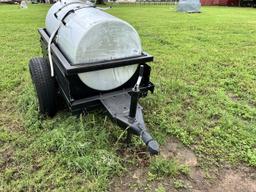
{"x": 100, "y": 2}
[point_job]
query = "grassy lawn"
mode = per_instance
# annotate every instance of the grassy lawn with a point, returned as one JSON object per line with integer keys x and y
{"x": 204, "y": 72}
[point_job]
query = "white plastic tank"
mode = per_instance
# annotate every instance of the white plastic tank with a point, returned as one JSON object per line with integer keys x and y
{"x": 92, "y": 35}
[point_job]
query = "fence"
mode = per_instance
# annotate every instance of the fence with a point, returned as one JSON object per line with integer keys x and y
{"x": 144, "y": 2}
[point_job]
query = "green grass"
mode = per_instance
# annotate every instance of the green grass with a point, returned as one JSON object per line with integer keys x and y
{"x": 204, "y": 72}
{"x": 160, "y": 167}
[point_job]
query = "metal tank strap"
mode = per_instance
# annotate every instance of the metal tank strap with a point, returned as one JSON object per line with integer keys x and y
{"x": 72, "y": 11}
{"x": 53, "y": 35}
{"x": 66, "y": 5}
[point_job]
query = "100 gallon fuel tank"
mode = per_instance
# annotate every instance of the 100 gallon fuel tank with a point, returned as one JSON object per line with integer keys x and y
{"x": 92, "y": 35}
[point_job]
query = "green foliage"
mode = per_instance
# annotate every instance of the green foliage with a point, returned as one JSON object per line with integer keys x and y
{"x": 178, "y": 184}
{"x": 167, "y": 167}
{"x": 204, "y": 72}
{"x": 160, "y": 188}
{"x": 251, "y": 154}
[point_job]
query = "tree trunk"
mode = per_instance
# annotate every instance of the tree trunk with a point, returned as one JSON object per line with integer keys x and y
{"x": 100, "y": 2}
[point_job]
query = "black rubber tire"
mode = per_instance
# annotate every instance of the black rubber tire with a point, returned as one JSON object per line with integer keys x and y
{"x": 45, "y": 86}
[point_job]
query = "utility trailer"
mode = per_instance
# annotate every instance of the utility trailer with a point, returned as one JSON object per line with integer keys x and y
{"x": 93, "y": 59}
{"x": 120, "y": 103}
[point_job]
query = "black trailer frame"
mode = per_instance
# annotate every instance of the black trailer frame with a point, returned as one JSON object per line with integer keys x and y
{"x": 121, "y": 103}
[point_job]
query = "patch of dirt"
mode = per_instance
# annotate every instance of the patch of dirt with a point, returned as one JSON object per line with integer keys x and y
{"x": 135, "y": 180}
{"x": 240, "y": 179}
{"x": 234, "y": 97}
{"x": 8, "y": 116}
{"x": 6, "y": 158}
{"x": 174, "y": 149}
{"x": 8, "y": 121}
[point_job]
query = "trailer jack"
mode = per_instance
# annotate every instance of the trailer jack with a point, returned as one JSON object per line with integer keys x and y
{"x": 124, "y": 108}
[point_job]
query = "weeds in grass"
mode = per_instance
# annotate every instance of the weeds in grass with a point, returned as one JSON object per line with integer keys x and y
{"x": 161, "y": 167}
{"x": 160, "y": 188}
{"x": 178, "y": 184}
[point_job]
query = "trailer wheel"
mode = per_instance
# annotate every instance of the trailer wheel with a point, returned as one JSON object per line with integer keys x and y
{"x": 45, "y": 86}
